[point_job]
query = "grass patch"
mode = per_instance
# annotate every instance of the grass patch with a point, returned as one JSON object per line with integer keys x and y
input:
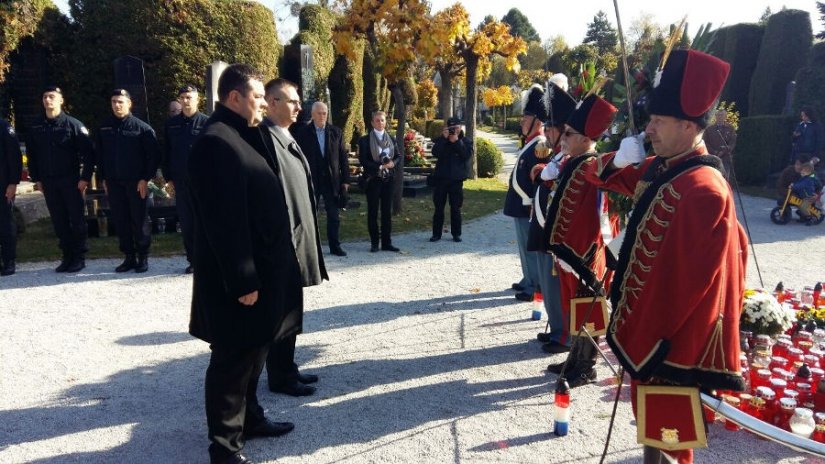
{"x": 481, "y": 198}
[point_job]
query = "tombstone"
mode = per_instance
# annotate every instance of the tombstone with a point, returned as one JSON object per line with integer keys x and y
{"x": 24, "y": 84}
{"x": 129, "y": 75}
{"x": 213, "y": 74}
{"x": 297, "y": 66}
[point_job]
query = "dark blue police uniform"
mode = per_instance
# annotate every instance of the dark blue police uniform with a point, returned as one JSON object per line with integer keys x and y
{"x": 11, "y": 166}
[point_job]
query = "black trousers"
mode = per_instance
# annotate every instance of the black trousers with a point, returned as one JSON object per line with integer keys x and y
{"x": 129, "y": 213}
{"x": 67, "y": 211}
{"x": 186, "y": 216}
{"x": 280, "y": 362}
{"x": 454, "y": 190}
{"x": 231, "y": 397}
{"x": 324, "y": 190}
{"x": 8, "y": 229}
{"x": 380, "y": 191}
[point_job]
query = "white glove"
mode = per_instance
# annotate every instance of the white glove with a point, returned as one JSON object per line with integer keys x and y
{"x": 631, "y": 151}
{"x": 550, "y": 172}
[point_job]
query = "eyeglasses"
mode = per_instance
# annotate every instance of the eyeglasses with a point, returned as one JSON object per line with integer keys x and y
{"x": 291, "y": 102}
{"x": 568, "y": 133}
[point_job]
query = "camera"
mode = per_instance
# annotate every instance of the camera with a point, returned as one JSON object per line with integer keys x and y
{"x": 451, "y": 131}
{"x": 385, "y": 159}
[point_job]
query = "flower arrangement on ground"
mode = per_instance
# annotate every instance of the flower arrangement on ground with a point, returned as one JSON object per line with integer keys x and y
{"x": 413, "y": 151}
{"x": 763, "y": 314}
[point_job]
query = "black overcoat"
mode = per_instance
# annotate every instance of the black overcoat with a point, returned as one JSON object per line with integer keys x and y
{"x": 335, "y": 159}
{"x": 242, "y": 240}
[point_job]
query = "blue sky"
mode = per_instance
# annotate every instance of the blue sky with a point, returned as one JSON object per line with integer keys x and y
{"x": 552, "y": 18}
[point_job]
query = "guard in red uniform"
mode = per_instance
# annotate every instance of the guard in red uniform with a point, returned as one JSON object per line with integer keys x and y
{"x": 578, "y": 227}
{"x": 678, "y": 288}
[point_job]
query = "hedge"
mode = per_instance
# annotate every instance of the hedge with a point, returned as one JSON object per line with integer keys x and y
{"x": 315, "y": 25}
{"x": 513, "y": 123}
{"x": 346, "y": 87}
{"x": 741, "y": 50}
{"x": 785, "y": 45}
{"x": 489, "y": 157}
{"x": 434, "y": 128}
{"x": 810, "y": 83}
{"x": 763, "y": 146}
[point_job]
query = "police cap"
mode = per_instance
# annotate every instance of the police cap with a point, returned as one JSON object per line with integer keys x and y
{"x": 121, "y": 93}
{"x": 186, "y": 89}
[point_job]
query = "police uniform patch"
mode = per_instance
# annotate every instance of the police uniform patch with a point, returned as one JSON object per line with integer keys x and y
{"x": 83, "y": 130}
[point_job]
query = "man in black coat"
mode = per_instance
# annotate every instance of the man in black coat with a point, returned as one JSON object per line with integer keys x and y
{"x": 244, "y": 267}
{"x": 128, "y": 157}
{"x": 275, "y": 142}
{"x": 180, "y": 133}
{"x": 378, "y": 154}
{"x": 57, "y": 146}
{"x": 452, "y": 151}
{"x": 323, "y": 146}
{"x": 11, "y": 166}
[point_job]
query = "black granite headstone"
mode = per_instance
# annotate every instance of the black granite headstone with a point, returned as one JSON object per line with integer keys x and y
{"x": 129, "y": 75}
{"x": 297, "y": 66}
{"x": 213, "y": 73}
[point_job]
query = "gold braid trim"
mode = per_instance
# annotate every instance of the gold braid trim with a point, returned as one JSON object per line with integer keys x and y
{"x": 641, "y": 186}
{"x": 645, "y": 269}
{"x": 645, "y": 251}
{"x": 673, "y": 192}
{"x": 665, "y": 206}
{"x": 658, "y": 221}
{"x": 655, "y": 238}
{"x": 577, "y": 181}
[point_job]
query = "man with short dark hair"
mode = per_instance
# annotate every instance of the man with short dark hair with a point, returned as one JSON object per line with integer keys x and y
{"x": 274, "y": 141}
{"x": 128, "y": 157}
{"x": 57, "y": 146}
{"x": 11, "y": 167}
{"x": 244, "y": 266}
{"x": 452, "y": 152}
{"x": 323, "y": 145}
{"x": 180, "y": 133}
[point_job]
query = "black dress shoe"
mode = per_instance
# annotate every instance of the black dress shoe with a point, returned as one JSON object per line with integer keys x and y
{"x": 390, "y": 248}
{"x": 581, "y": 377}
{"x": 8, "y": 268}
{"x": 294, "y": 388}
{"x": 517, "y": 287}
{"x": 128, "y": 264}
{"x": 64, "y": 264}
{"x": 142, "y": 264}
{"x": 543, "y": 337}
{"x": 236, "y": 458}
{"x": 521, "y": 296}
{"x": 338, "y": 252}
{"x": 267, "y": 428}
{"x": 555, "y": 368}
{"x": 374, "y": 249}
{"x": 307, "y": 378}
{"x": 555, "y": 348}
{"x": 76, "y": 265}
{"x": 434, "y": 238}
{"x": 189, "y": 269}
{"x": 457, "y": 238}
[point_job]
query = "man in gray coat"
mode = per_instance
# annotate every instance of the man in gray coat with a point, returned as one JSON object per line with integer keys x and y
{"x": 278, "y": 146}
{"x": 245, "y": 270}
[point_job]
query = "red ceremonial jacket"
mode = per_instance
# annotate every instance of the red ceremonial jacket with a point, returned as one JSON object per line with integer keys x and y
{"x": 678, "y": 288}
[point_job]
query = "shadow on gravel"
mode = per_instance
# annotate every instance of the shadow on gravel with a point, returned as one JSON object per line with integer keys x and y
{"x": 96, "y": 271}
{"x": 158, "y": 408}
{"x": 339, "y": 317}
{"x": 513, "y": 442}
{"x": 155, "y": 338}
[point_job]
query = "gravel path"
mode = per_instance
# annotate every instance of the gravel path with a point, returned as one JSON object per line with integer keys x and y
{"x": 443, "y": 367}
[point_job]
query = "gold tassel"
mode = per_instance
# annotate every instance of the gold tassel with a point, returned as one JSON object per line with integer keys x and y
{"x": 671, "y": 42}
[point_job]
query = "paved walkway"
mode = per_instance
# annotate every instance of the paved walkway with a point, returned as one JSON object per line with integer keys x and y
{"x": 424, "y": 357}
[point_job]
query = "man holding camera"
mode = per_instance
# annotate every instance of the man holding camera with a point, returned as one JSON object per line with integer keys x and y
{"x": 378, "y": 154}
{"x": 451, "y": 150}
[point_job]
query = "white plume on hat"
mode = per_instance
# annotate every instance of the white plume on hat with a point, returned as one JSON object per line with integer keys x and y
{"x": 560, "y": 80}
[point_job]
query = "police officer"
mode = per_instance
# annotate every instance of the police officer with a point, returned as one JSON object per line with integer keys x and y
{"x": 180, "y": 132}
{"x": 11, "y": 166}
{"x": 57, "y": 146}
{"x": 452, "y": 152}
{"x": 128, "y": 156}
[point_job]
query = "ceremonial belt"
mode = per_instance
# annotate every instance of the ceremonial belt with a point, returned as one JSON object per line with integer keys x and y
{"x": 525, "y": 199}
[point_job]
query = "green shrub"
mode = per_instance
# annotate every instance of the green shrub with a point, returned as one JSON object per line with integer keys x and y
{"x": 489, "y": 158}
{"x": 487, "y": 119}
{"x": 763, "y": 146}
{"x": 810, "y": 83}
{"x": 346, "y": 88}
{"x": 513, "y": 123}
{"x": 785, "y": 45}
{"x": 741, "y": 50}
{"x": 315, "y": 25}
{"x": 434, "y": 128}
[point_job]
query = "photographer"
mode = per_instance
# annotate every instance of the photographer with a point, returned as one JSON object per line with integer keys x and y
{"x": 378, "y": 154}
{"x": 452, "y": 151}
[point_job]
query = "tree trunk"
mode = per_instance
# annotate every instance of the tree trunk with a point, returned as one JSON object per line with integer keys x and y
{"x": 446, "y": 95}
{"x": 470, "y": 113}
{"x": 401, "y": 117}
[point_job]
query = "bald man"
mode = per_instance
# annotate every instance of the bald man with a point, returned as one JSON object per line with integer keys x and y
{"x": 323, "y": 145}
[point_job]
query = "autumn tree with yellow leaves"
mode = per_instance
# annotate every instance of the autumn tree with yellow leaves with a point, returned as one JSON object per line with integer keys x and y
{"x": 501, "y": 96}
